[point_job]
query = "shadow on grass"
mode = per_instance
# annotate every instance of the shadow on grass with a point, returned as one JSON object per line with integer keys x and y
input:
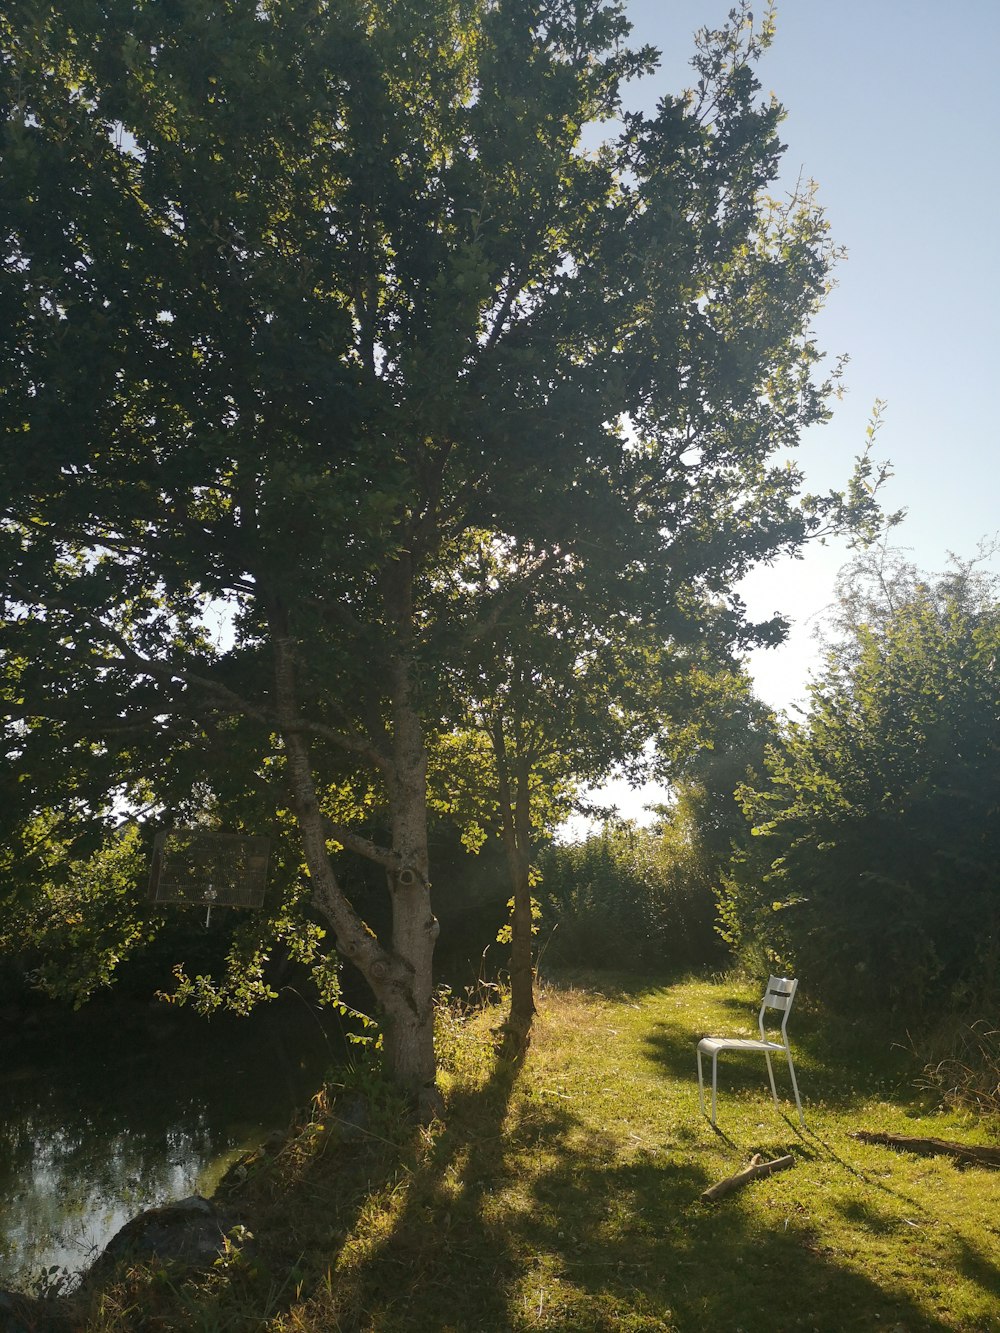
{"x": 602, "y": 1247}
{"x": 978, "y": 1268}
{"x": 440, "y": 1263}
{"x": 522, "y": 1214}
{"x": 841, "y": 1064}
{"x": 641, "y": 1254}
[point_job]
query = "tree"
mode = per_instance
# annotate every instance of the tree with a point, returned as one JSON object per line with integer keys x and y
{"x": 639, "y": 896}
{"x": 576, "y": 691}
{"x": 301, "y": 298}
{"x": 877, "y": 828}
{"x": 561, "y": 699}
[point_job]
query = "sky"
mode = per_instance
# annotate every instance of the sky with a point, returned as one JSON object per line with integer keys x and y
{"x": 893, "y": 108}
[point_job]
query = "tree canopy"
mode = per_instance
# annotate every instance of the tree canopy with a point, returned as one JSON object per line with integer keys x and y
{"x": 321, "y": 318}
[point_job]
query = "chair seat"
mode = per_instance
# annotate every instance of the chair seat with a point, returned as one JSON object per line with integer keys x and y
{"x": 712, "y": 1044}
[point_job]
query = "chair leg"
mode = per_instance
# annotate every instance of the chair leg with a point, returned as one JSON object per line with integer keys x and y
{"x": 795, "y": 1089}
{"x": 701, "y": 1086}
{"x": 701, "y": 1082}
{"x": 770, "y": 1075}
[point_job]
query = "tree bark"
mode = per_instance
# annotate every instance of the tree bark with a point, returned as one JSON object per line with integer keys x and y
{"x": 409, "y": 1008}
{"x": 757, "y": 1169}
{"x": 515, "y": 811}
{"x": 966, "y": 1152}
{"x": 401, "y": 979}
{"x": 522, "y": 969}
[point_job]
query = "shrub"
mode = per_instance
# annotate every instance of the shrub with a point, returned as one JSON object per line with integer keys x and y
{"x": 876, "y": 865}
{"x": 628, "y": 897}
{"x": 962, "y": 1064}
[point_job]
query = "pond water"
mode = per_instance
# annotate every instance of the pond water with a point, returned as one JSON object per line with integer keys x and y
{"x": 127, "y": 1108}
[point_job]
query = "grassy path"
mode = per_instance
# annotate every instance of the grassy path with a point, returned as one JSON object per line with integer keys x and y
{"x": 564, "y": 1194}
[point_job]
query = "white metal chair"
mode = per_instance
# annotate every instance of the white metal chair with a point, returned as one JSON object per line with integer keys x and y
{"x": 779, "y": 995}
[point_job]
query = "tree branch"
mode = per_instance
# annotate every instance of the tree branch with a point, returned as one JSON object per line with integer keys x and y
{"x": 965, "y": 1152}
{"x": 514, "y": 285}
{"x": 137, "y": 662}
{"x": 506, "y": 599}
{"x": 131, "y": 657}
{"x": 344, "y": 740}
{"x": 755, "y": 1171}
{"x": 371, "y": 851}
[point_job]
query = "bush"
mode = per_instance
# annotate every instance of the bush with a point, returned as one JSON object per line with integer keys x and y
{"x": 876, "y": 865}
{"x": 628, "y": 897}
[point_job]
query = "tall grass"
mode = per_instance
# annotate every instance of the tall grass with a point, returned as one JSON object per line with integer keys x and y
{"x": 962, "y": 1064}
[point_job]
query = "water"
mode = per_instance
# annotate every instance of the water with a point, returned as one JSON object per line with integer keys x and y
{"x": 121, "y": 1109}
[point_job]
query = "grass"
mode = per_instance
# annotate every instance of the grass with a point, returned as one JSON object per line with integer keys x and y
{"x": 563, "y": 1194}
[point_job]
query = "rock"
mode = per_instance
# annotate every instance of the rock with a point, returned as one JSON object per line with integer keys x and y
{"x": 25, "y": 1314}
{"x": 190, "y": 1232}
{"x": 351, "y": 1117}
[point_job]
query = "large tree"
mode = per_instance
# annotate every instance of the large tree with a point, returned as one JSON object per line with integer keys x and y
{"x": 576, "y": 687}
{"x": 299, "y": 298}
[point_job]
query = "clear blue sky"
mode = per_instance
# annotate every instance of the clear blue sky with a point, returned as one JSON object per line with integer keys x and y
{"x": 893, "y": 107}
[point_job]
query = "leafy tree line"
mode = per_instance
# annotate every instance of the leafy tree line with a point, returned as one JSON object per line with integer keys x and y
{"x": 629, "y": 898}
{"x": 320, "y": 313}
{"x": 875, "y": 865}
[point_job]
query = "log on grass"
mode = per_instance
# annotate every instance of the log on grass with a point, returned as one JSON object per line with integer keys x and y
{"x": 757, "y": 1169}
{"x": 966, "y": 1152}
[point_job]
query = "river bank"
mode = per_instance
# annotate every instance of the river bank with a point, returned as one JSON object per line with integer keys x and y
{"x": 126, "y": 1105}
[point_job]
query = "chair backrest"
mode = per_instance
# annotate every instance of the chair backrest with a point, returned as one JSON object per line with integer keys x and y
{"x": 779, "y": 994}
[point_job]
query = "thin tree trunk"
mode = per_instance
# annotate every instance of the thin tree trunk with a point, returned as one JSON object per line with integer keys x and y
{"x": 522, "y": 970}
{"x": 967, "y": 1152}
{"x": 515, "y": 813}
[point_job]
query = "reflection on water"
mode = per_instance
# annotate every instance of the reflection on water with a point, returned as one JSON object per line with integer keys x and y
{"x": 123, "y": 1115}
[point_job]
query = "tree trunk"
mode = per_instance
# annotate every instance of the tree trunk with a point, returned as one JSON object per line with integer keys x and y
{"x": 522, "y": 970}
{"x": 967, "y": 1152}
{"x": 515, "y": 813}
{"x": 401, "y": 979}
{"x": 409, "y": 1008}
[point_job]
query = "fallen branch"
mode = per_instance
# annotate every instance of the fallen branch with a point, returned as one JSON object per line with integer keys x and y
{"x": 757, "y": 1169}
{"x": 966, "y": 1152}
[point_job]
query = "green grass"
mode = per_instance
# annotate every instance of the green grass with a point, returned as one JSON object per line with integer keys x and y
{"x": 563, "y": 1193}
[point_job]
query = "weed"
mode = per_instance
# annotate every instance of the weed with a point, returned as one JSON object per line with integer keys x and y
{"x": 968, "y": 1075}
